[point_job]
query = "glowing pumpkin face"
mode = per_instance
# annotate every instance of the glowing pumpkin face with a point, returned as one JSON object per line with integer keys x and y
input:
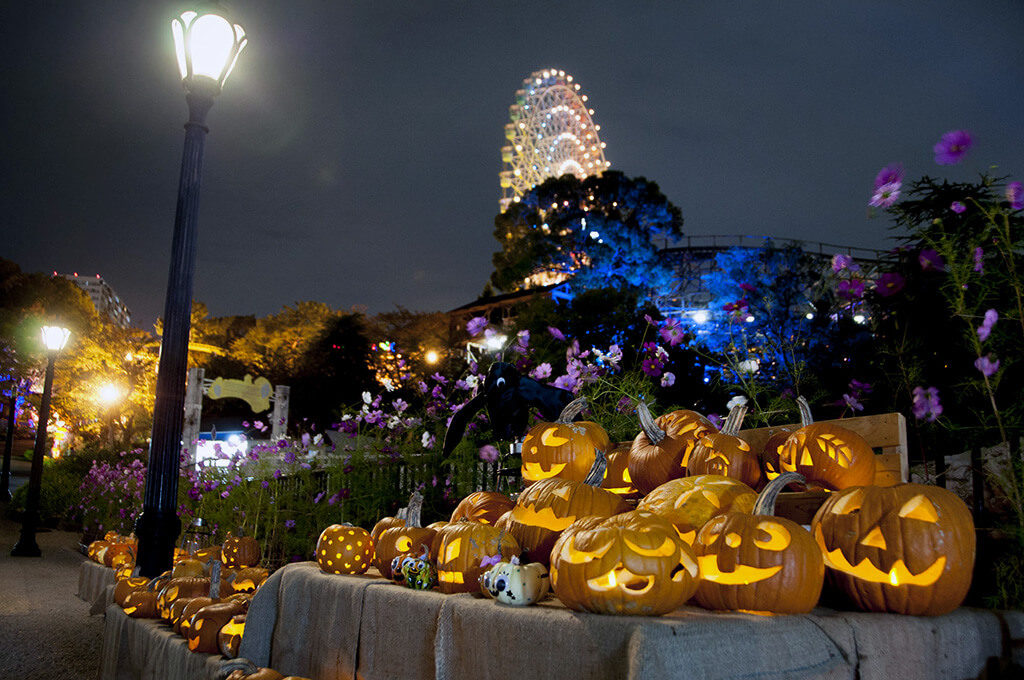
{"x": 758, "y": 562}
{"x": 633, "y": 563}
{"x": 829, "y": 456}
{"x": 770, "y": 454}
{"x": 205, "y": 625}
{"x": 563, "y": 449}
{"x": 726, "y": 455}
{"x": 184, "y": 619}
{"x": 240, "y": 551}
{"x": 230, "y": 636}
{"x": 249, "y": 579}
{"x": 466, "y": 550}
{"x": 483, "y": 506}
{"x": 907, "y": 549}
{"x": 126, "y": 586}
{"x": 661, "y": 452}
{"x": 141, "y": 604}
{"x": 344, "y": 549}
{"x": 688, "y": 503}
{"x": 177, "y": 588}
{"x": 398, "y": 542}
{"x": 616, "y": 476}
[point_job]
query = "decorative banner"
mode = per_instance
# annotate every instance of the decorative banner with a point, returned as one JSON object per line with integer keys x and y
{"x": 254, "y": 392}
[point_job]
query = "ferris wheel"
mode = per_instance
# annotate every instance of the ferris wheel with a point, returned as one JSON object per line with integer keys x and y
{"x": 551, "y": 133}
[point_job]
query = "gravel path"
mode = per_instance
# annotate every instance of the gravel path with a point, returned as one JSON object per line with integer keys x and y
{"x": 45, "y": 630}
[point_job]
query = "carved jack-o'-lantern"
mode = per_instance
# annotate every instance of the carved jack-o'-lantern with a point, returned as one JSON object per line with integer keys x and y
{"x": 563, "y": 449}
{"x": 724, "y": 453}
{"x": 907, "y": 549}
{"x": 688, "y": 503}
{"x": 483, "y": 506}
{"x": 616, "y": 474}
{"x": 187, "y": 567}
{"x": 118, "y": 552}
{"x": 177, "y": 588}
{"x": 396, "y": 542}
{"x": 465, "y": 550}
{"x": 516, "y": 584}
{"x": 184, "y": 617}
{"x": 247, "y": 580}
{"x": 229, "y": 639}
{"x": 344, "y": 549}
{"x": 545, "y": 509}
{"x": 662, "y": 449}
{"x": 126, "y": 586}
{"x": 141, "y": 604}
{"x": 633, "y": 563}
{"x": 206, "y": 623}
{"x": 828, "y": 455}
{"x": 240, "y": 551}
{"x": 758, "y": 562}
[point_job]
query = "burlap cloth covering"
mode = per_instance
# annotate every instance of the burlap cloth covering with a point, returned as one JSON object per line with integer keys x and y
{"x": 96, "y": 586}
{"x": 148, "y": 649}
{"x": 322, "y": 626}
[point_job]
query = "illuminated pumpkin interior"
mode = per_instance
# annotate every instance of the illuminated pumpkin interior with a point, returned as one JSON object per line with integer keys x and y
{"x": 544, "y": 518}
{"x": 535, "y": 472}
{"x": 771, "y": 536}
{"x": 403, "y": 544}
{"x": 623, "y": 579}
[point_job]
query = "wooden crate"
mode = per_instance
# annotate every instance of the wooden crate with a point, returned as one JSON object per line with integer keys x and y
{"x": 885, "y": 432}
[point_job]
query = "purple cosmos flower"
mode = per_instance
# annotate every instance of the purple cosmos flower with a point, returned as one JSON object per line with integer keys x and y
{"x": 488, "y": 453}
{"x": 541, "y": 372}
{"x": 1015, "y": 195}
{"x": 566, "y": 382}
{"x": 672, "y": 332}
{"x": 930, "y": 260}
{"x": 952, "y": 148}
{"x": 986, "y": 365}
{"x": 556, "y": 334}
{"x": 850, "y": 289}
{"x": 400, "y": 405}
{"x": 892, "y": 173}
{"x": 926, "y": 404}
{"x": 979, "y": 259}
{"x": 889, "y": 283}
{"x": 985, "y": 329}
{"x": 649, "y": 320}
{"x": 668, "y": 379}
{"x": 305, "y": 440}
{"x": 957, "y": 207}
{"x": 439, "y": 379}
{"x": 289, "y": 524}
{"x": 841, "y": 262}
{"x": 625, "y": 405}
{"x": 851, "y": 402}
{"x": 887, "y": 186}
{"x": 747, "y": 287}
{"x": 475, "y": 325}
{"x": 716, "y": 420}
{"x": 651, "y": 367}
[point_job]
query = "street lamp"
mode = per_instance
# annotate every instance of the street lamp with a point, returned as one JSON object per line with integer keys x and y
{"x": 207, "y": 46}
{"x": 54, "y": 339}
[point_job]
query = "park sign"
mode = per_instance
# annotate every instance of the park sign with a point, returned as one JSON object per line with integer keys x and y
{"x": 256, "y": 392}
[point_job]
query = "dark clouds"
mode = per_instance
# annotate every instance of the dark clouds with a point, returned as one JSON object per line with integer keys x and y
{"x": 353, "y": 156}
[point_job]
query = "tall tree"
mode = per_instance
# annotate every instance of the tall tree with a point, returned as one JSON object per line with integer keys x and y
{"x": 599, "y": 230}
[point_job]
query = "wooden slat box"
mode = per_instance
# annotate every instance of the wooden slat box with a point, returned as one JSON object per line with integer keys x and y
{"x": 885, "y": 432}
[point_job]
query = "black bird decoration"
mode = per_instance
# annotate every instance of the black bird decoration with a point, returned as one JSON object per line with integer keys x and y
{"x": 508, "y": 396}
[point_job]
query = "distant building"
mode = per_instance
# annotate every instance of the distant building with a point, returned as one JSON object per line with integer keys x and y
{"x": 103, "y": 298}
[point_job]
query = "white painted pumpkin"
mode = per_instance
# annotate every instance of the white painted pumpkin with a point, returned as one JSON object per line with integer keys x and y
{"x": 516, "y": 584}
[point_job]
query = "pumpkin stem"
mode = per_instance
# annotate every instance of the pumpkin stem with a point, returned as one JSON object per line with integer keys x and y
{"x": 735, "y": 417}
{"x": 596, "y": 474}
{"x": 765, "y": 504}
{"x": 571, "y": 410}
{"x": 654, "y": 433}
{"x": 805, "y": 411}
{"x": 414, "y": 510}
{"x": 244, "y": 665}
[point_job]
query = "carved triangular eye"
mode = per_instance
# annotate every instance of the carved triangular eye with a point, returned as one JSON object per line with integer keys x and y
{"x": 851, "y": 502}
{"x": 920, "y": 508}
{"x": 874, "y": 539}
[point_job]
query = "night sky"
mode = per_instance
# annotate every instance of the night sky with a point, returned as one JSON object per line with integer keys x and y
{"x": 353, "y": 156}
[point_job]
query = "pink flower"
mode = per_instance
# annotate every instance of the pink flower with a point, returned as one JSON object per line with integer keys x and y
{"x": 889, "y": 283}
{"x": 850, "y": 289}
{"x": 566, "y": 382}
{"x": 887, "y": 186}
{"x": 541, "y": 372}
{"x": 952, "y": 148}
{"x": 986, "y": 365}
{"x": 556, "y": 334}
{"x": 985, "y": 329}
{"x": 1015, "y": 195}
{"x": 672, "y": 332}
{"x": 475, "y": 325}
{"x": 926, "y": 404}
{"x": 957, "y": 207}
{"x": 841, "y": 262}
{"x": 488, "y": 453}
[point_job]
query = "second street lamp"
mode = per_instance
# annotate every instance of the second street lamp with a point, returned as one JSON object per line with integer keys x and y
{"x": 207, "y": 46}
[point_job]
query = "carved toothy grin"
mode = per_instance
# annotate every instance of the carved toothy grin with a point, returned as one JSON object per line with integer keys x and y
{"x": 624, "y": 579}
{"x": 740, "y": 576}
{"x": 899, "y": 574}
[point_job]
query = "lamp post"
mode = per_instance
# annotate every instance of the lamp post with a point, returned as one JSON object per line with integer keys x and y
{"x": 5, "y": 474}
{"x": 207, "y": 46}
{"x": 54, "y": 339}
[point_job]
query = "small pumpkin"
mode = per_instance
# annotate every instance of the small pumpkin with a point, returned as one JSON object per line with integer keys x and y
{"x": 661, "y": 451}
{"x": 516, "y": 584}
{"x": 688, "y": 503}
{"x": 563, "y": 448}
{"x": 758, "y": 562}
{"x": 828, "y": 455}
{"x": 240, "y": 551}
{"x": 415, "y": 572}
{"x": 344, "y": 549}
{"x": 906, "y": 549}
{"x": 633, "y": 563}
{"x": 187, "y": 587}
{"x": 229, "y": 638}
{"x": 248, "y": 579}
{"x": 141, "y": 604}
{"x": 725, "y": 453}
{"x": 184, "y": 618}
{"x": 485, "y": 507}
{"x": 547, "y": 507}
{"x": 465, "y": 550}
{"x": 616, "y": 475}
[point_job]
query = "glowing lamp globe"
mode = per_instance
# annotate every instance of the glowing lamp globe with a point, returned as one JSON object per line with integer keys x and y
{"x": 207, "y": 46}
{"x": 55, "y": 337}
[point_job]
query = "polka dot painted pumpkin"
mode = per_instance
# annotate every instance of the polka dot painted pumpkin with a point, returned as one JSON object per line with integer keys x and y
{"x": 344, "y": 549}
{"x": 240, "y": 551}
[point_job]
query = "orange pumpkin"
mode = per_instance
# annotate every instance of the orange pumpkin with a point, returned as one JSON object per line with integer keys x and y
{"x": 229, "y": 639}
{"x": 468, "y": 549}
{"x": 828, "y": 455}
{"x": 758, "y": 562}
{"x": 344, "y": 549}
{"x": 125, "y": 586}
{"x": 563, "y": 449}
{"x": 545, "y": 509}
{"x": 907, "y": 549}
{"x": 483, "y": 506}
{"x": 616, "y": 476}
{"x": 688, "y": 503}
{"x": 141, "y": 604}
{"x": 240, "y": 551}
{"x": 724, "y": 453}
{"x": 184, "y": 618}
{"x": 662, "y": 450}
{"x": 176, "y": 588}
{"x": 247, "y": 580}
{"x": 206, "y": 623}
{"x": 633, "y": 563}
{"x": 407, "y": 539}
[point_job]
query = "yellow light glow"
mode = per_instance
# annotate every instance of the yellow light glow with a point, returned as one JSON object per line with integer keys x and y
{"x": 573, "y": 555}
{"x": 535, "y": 472}
{"x": 778, "y": 536}
{"x": 920, "y": 508}
{"x": 899, "y": 574}
{"x": 209, "y": 43}
{"x": 668, "y": 547}
{"x": 874, "y": 539}
{"x": 631, "y": 583}
{"x": 740, "y": 576}
{"x": 449, "y": 576}
{"x": 55, "y": 337}
{"x": 544, "y": 518}
{"x": 432, "y": 357}
{"x": 109, "y": 393}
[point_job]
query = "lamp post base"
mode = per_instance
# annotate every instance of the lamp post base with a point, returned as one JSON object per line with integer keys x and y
{"x": 26, "y": 545}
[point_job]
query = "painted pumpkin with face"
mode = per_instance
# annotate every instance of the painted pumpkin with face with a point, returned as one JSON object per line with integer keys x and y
{"x": 632, "y": 563}
{"x": 661, "y": 452}
{"x": 240, "y": 551}
{"x": 758, "y": 562}
{"x": 548, "y": 507}
{"x": 563, "y": 449}
{"x": 724, "y": 453}
{"x": 466, "y": 550}
{"x": 344, "y": 549}
{"x": 485, "y": 507}
{"x": 688, "y": 503}
{"x": 516, "y": 584}
{"x": 906, "y": 549}
{"x": 828, "y": 455}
